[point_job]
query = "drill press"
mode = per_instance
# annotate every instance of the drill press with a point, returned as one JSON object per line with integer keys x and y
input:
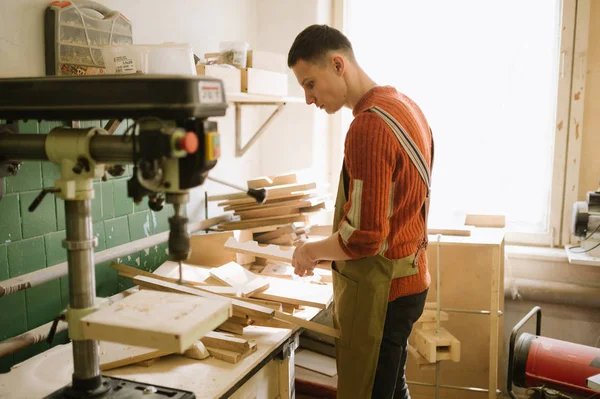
{"x": 174, "y": 148}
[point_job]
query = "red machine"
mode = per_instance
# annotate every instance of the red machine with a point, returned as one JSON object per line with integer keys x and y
{"x": 537, "y": 361}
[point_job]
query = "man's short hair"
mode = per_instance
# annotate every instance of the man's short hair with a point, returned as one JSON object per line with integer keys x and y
{"x": 314, "y": 42}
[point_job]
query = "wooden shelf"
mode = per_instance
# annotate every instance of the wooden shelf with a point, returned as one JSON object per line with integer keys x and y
{"x": 258, "y": 98}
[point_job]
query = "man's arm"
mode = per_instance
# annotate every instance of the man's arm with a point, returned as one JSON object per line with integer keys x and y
{"x": 370, "y": 159}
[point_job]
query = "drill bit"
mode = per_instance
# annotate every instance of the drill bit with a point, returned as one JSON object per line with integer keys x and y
{"x": 180, "y": 272}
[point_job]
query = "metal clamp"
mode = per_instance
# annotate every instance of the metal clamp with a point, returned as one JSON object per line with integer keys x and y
{"x": 80, "y": 245}
{"x": 513, "y": 336}
{"x": 290, "y": 346}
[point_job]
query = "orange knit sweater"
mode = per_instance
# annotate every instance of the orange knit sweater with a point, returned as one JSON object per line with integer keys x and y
{"x": 386, "y": 193}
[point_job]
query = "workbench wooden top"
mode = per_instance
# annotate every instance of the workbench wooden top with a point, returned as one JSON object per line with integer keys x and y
{"x": 209, "y": 378}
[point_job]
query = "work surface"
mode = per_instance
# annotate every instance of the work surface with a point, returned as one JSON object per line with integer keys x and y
{"x": 209, "y": 378}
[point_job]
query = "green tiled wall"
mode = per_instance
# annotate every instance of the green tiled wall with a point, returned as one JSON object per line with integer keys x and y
{"x": 31, "y": 241}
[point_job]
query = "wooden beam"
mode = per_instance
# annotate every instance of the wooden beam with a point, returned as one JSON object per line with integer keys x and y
{"x": 309, "y": 325}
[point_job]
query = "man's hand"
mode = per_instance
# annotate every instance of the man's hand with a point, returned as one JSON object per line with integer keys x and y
{"x": 303, "y": 261}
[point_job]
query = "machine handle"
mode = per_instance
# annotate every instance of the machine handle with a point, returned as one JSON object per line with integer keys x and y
{"x": 106, "y": 12}
{"x": 513, "y": 336}
{"x": 38, "y": 200}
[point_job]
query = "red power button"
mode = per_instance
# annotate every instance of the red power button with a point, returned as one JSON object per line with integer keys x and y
{"x": 188, "y": 143}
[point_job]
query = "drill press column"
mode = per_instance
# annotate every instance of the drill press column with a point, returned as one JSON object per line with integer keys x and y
{"x": 80, "y": 243}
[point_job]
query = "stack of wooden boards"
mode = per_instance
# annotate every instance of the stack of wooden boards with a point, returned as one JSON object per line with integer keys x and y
{"x": 428, "y": 344}
{"x": 254, "y": 299}
{"x": 287, "y": 202}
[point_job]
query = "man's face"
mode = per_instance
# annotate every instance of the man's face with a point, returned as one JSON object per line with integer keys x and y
{"x": 323, "y": 83}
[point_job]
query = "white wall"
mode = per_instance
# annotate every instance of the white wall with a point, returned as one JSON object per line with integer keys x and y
{"x": 299, "y": 138}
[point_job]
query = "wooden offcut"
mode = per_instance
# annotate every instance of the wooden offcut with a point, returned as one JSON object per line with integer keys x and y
{"x": 497, "y": 221}
{"x": 236, "y": 276}
{"x": 435, "y": 346}
{"x": 231, "y": 356}
{"x": 276, "y": 191}
{"x": 223, "y": 341}
{"x": 262, "y": 222}
{"x": 268, "y": 181}
{"x": 297, "y": 293}
{"x": 167, "y": 321}
{"x": 197, "y": 351}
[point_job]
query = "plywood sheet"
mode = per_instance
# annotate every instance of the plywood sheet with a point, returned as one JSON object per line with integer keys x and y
{"x": 168, "y": 321}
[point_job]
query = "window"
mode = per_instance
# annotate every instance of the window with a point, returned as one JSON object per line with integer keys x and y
{"x": 490, "y": 77}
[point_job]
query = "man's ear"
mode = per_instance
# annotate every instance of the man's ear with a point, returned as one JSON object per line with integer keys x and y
{"x": 339, "y": 64}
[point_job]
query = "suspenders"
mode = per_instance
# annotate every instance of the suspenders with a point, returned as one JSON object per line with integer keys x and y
{"x": 417, "y": 159}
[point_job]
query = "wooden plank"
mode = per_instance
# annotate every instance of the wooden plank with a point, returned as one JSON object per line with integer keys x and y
{"x": 297, "y": 293}
{"x": 278, "y": 232}
{"x": 113, "y": 355}
{"x": 168, "y": 321}
{"x": 223, "y": 341}
{"x": 272, "y": 252}
{"x": 431, "y": 316}
{"x": 267, "y": 181}
{"x": 197, "y": 351}
{"x": 240, "y": 308}
{"x": 302, "y": 201}
{"x": 263, "y": 302}
{"x": 268, "y": 212}
{"x": 485, "y": 220}
{"x": 268, "y": 221}
{"x": 309, "y": 325}
{"x": 275, "y": 191}
{"x": 455, "y": 231}
{"x": 275, "y": 199}
{"x": 316, "y": 362}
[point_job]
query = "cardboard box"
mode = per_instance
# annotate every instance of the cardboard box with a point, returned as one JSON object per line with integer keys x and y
{"x": 258, "y": 81}
{"x": 230, "y": 76}
{"x": 259, "y": 59}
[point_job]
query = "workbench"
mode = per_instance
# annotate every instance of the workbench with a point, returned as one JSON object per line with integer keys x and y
{"x": 267, "y": 373}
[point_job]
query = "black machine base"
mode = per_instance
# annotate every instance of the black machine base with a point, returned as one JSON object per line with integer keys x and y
{"x": 117, "y": 388}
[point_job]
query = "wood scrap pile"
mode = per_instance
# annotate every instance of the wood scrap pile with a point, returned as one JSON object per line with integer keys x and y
{"x": 288, "y": 201}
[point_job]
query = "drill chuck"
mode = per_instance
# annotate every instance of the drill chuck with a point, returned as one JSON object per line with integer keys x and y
{"x": 179, "y": 239}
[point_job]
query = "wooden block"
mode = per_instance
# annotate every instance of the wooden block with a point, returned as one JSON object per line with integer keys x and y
{"x": 316, "y": 362}
{"x": 258, "y": 81}
{"x": 147, "y": 363}
{"x": 240, "y": 308}
{"x": 420, "y": 360}
{"x": 207, "y": 249}
{"x": 498, "y": 221}
{"x": 230, "y": 356}
{"x": 434, "y": 347}
{"x": 224, "y": 341}
{"x": 267, "y": 221}
{"x": 232, "y": 327}
{"x": 309, "y": 325}
{"x": 289, "y": 308}
{"x": 286, "y": 239}
{"x": 197, "y": 351}
{"x": 167, "y": 321}
{"x": 113, "y": 355}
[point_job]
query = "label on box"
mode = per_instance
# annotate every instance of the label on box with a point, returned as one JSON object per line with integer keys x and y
{"x": 210, "y": 92}
{"x": 124, "y": 64}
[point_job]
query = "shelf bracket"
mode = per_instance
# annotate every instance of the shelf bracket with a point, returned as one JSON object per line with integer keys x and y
{"x": 240, "y": 149}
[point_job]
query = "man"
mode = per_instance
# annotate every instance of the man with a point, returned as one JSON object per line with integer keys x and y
{"x": 380, "y": 276}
